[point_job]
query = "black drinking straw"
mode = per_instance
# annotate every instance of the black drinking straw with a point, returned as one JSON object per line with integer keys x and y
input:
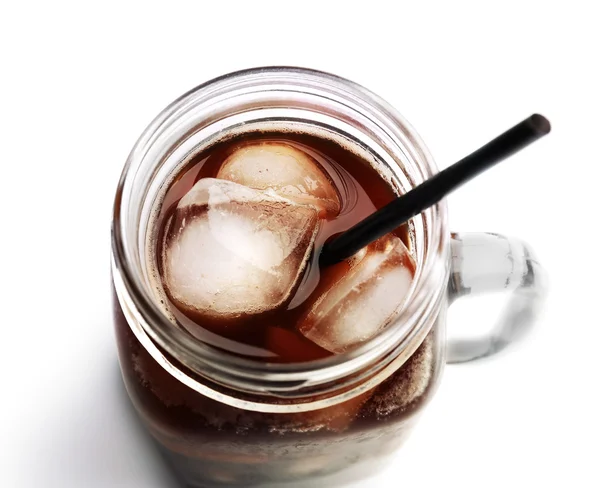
{"x": 388, "y": 218}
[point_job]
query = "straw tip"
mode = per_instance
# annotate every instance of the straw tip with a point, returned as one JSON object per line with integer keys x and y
{"x": 328, "y": 255}
{"x": 540, "y": 124}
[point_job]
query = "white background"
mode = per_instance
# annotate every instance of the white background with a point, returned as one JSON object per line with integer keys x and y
{"x": 78, "y": 84}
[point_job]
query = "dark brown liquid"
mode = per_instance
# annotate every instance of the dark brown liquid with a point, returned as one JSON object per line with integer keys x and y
{"x": 273, "y": 335}
{"x": 212, "y": 444}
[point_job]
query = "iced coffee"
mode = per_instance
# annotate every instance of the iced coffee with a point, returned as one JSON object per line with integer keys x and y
{"x": 234, "y": 260}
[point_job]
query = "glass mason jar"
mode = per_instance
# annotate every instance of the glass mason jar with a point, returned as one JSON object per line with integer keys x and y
{"x": 224, "y": 420}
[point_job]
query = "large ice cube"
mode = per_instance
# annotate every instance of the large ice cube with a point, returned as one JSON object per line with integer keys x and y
{"x": 284, "y": 169}
{"x": 232, "y": 250}
{"x": 359, "y": 303}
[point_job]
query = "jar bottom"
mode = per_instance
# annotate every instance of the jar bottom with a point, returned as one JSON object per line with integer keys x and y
{"x": 332, "y": 470}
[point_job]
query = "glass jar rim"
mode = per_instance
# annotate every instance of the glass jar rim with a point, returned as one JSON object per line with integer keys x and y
{"x": 153, "y": 328}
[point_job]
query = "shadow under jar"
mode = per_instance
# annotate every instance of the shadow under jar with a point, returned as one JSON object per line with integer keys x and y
{"x": 225, "y": 420}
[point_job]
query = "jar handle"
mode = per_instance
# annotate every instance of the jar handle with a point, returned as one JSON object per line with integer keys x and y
{"x": 484, "y": 263}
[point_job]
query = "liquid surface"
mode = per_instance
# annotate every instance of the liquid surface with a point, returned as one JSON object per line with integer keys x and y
{"x": 303, "y": 314}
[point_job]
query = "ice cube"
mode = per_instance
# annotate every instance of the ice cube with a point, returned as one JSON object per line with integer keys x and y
{"x": 360, "y": 302}
{"x": 284, "y": 169}
{"x": 231, "y": 250}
